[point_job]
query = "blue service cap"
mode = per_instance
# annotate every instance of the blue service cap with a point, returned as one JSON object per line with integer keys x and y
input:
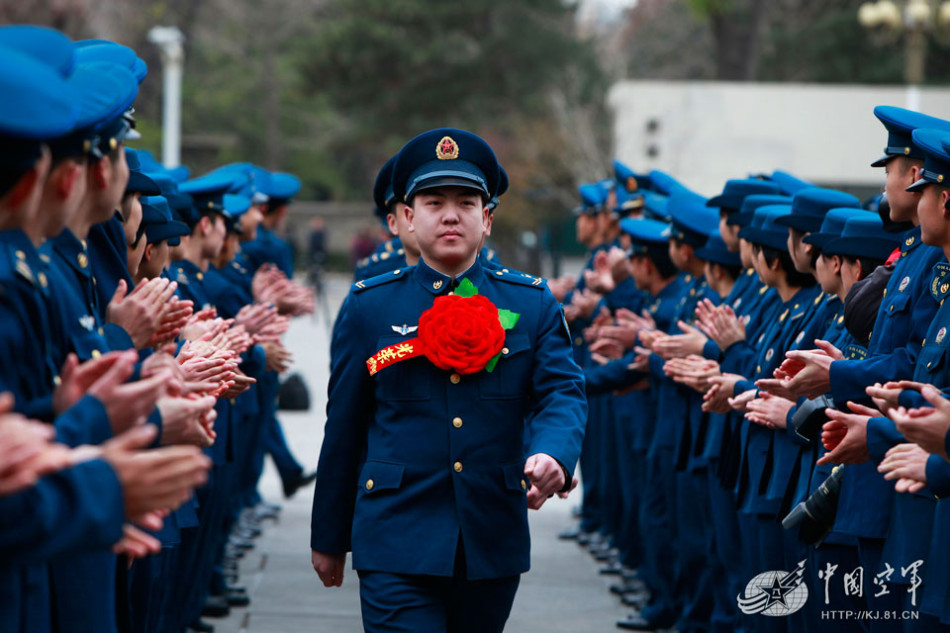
{"x": 788, "y": 184}
{"x": 863, "y": 235}
{"x": 216, "y": 182}
{"x": 97, "y": 90}
{"x": 900, "y": 124}
{"x": 280, "y": 188}
{"x": 645, "y": 234}
{"x": 735, "y": 191}
{"x": 765, "y": 231}
{"x": 750, "y": 204}
{"x": 664, "y": 183}
{"x": 629, "y": 180}
{"x": 832, "y": 226}
{"x": 715, "y": 251}
{"x": 37, "y": 105}
{"x": 116, "y": 126}
{"x": 502, "y": 188}
{"x": 627, "y": 202}
{"x": 936, "y": 157}
{"x": 113, "y": 53}
{"x": 42, "y": 43}
{"x": 692, "y": 220}
{"x": 138, "y": 181}
{"x": 383, "y": 194}
{"x": 593, "y": 197}
{"x": 158, "y": 222}
{"x": 445, "y": 157}
{"x": 809, "y": 207}
{"x": 655, "y": 206}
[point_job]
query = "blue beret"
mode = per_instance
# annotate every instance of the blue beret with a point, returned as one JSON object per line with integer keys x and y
{"x": 593, "y": 197}
{"x": 628, "y": 179}
{"x": 37, "y": 105}
{"x": 383, "y": 194}
{"x": 936, "y": 158}
{"x": 832, "y": 226}
{"x": 789, "y": 184}
{"x": 158, "y": 222}
{"x": 281, "y": 187}
{"x": 645, "y": 234}
{"x": 442, "y": 157}
{"x": 655, "y": 206}
{"x": 900, "y": 125}
{"x": 863, "y": 236}
{"x": 692, "y": 220}
{"x": 750, "y": 204}
{"x": 736, "y": 191}
{"x": 716, "y": 252}
{"x": 809, "y": 207}
{"x": 502, "y": 188}
{"x": 765, "y": 231}
{"x": 44, "y": 44}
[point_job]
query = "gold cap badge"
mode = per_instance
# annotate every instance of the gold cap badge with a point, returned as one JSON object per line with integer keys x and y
{"x": 447, "y": 149}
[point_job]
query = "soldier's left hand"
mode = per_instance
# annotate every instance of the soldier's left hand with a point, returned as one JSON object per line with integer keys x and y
{"x": 546, "y": 476}
{"x": 845, "y": 435}
{"x": 769, "y": 410}
{"x": 926, "y": 426}
{"x": 907, "y": 463}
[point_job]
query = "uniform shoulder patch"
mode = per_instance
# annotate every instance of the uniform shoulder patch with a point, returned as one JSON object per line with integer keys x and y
{"x": 379, "y": 280}
{"x": 517, "y": 277}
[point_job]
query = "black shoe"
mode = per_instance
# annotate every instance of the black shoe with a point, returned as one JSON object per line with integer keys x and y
{"x": 609, "y": 554}
{"x": 635, "y": 622}
{"x": 200, "y": 626}
{"x": 613, "y": 568}
{"x": 265, "y": 511}
{"x": 237, "y": 599}
{"x": 570, "y": 534}
{"x": 635, "y": 599}
{"x": 215, "y": 607}
{"x": 240, "y": 543}
{"x": 583, "y": 538}
{"x": 302, "y": 479}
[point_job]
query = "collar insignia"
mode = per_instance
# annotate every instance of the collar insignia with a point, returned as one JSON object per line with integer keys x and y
{"x": 404, "y": 329}
{"x": 87, "y": 321}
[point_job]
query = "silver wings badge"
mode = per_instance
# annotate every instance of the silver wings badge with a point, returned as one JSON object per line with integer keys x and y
{"x": 404, "y": 329}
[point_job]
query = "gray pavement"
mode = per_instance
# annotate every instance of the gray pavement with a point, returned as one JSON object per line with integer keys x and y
{"x": 561, "y": 594}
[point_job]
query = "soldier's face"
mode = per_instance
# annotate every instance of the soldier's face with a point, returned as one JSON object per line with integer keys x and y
{"x": 398, "y": 222}
{"x": 729, "y": 233}
{"x": 799, "y": 251}
{"x": 827, "y": 271}
{"x": 745, "y": 252}
{"x": 934, "y": 227}
{"x": 448, "y": 223}
{"x": 900, "y": 173}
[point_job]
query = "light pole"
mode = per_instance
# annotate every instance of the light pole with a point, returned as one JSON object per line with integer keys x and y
{"x": 169, "y": 39}
{"x": 913, "y": 19}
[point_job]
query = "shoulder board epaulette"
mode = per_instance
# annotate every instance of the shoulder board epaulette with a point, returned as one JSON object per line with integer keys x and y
{"x": 515, "y": 277}
{"x": 379, "y": 280}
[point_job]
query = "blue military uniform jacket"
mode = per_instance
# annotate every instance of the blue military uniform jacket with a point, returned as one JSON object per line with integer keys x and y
{"x": 269, "y": 249}
{"x": 416, "y": 459}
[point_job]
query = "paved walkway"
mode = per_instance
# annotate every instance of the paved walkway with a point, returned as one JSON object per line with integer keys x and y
{"x": 561, "y": 594}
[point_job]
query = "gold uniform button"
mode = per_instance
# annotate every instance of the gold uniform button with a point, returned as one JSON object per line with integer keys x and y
{"x": 42, "y": 277}
{"x": 499, "y": 273}
{"x": 397, "y": 271}
{"x": 82, "y": 259}
{"x": 437, "y": 284}
{"x": 524, "y": 485}
{"x": 455, "y": 379}
{"x": 20, "y": 255}
{"x": 457, "y": 422}
{"x": 57, "y": 380}
{"x": 200, "y": 276}
{"x": 458, "y": 467}
{"x": 96, "y": 353}
{"x": 369, "y": 484}
{"x": 505, "y": 350}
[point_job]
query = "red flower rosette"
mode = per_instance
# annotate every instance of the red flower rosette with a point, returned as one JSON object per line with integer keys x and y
{"x": 461, "y": 333}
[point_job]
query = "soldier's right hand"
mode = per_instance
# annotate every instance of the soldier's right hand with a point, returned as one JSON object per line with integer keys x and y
{"x": 153, "y": 479}
{"x": 128, "y": 404}
{"x": 329, "y": 567}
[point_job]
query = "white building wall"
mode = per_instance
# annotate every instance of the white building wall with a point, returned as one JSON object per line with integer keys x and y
{"x": 704, "y": 133}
